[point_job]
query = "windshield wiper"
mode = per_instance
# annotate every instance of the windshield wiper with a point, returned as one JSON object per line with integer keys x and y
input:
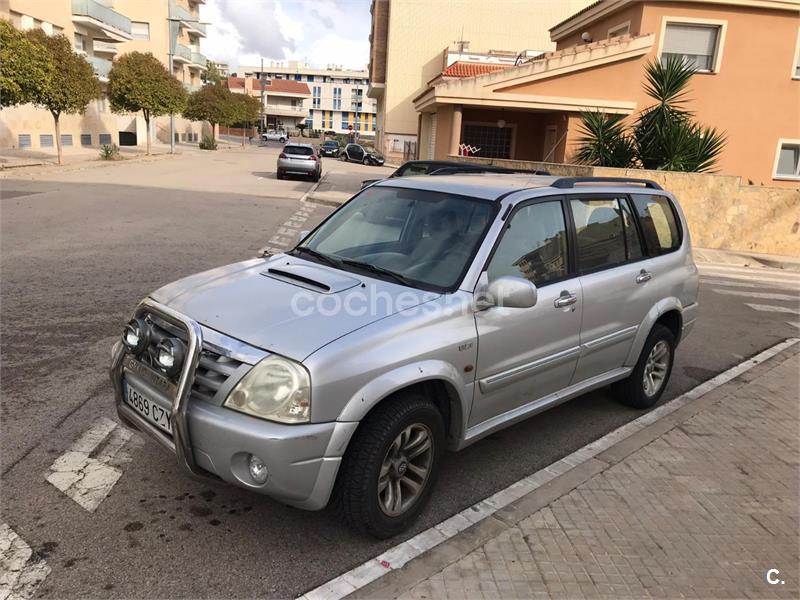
{"x": 380, "y": 271}
{"x": 329, "y": 260}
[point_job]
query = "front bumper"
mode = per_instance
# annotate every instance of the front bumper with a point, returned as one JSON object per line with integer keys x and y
{"x": 210, "y": 440}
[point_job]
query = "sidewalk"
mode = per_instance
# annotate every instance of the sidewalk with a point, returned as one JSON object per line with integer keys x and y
{"x": 744, "y": 259}
{"x": 701, "y": 503}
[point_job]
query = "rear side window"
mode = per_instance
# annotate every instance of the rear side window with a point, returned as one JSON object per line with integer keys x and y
{"x": 605, "y": 233}
{"x": 659, "y": 225}
{"x": 298, "y": 150}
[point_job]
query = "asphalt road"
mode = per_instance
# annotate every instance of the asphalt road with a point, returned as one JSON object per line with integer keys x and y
{"x": 79, "y": 247}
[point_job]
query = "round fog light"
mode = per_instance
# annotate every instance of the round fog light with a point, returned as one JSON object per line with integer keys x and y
{"x": 258, "y": 470}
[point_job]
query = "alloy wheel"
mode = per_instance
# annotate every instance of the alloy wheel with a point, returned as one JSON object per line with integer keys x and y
{"x": 656, "y": 367}
{"x": 405, "y": 469}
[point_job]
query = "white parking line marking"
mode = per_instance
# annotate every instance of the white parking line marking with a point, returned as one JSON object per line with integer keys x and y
{"x": 396, "y": 557}
{"x": 741, "y": 284}
{"x": 761, "y": 295}
{"x": 21, "y": 572}
{"x": 90, "y": 468}
{"x": 769, "y": 308}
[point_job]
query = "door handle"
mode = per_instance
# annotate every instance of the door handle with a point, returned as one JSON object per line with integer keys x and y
{"x": 565, "y": 299}
{"x": 643, "y": 276}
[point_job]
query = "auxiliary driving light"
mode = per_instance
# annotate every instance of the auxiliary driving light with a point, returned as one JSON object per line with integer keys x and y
{"x": 169, "y": 355}
{"x": 136, "y": 336}
{"x": 258, "y": 470}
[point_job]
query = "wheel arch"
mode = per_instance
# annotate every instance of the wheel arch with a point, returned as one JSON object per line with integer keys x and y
{"x": 667, "y": 312}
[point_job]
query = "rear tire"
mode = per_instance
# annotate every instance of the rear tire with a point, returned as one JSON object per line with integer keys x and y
{"x": 365, "y": 161}
{"x": 391, "y": 465}
{"x": 281, "y": 175}
{"x": 649, "y": 378}
{"x": 282, "y": 140}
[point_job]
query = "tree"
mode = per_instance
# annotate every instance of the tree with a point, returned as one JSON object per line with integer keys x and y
{"x": 301, "y": 127}
{"x": 664, "y": 135}
{"x": 25, "y": 67}
{"x": 244, "y": 110}
{"x": 212, "y": 74}
{"x": 72, "y": 87}
{"x": 139, "y": 82}
{"x": 212, "y": 103}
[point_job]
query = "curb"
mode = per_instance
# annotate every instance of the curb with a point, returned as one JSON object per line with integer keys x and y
{"x": 415, "y": 560}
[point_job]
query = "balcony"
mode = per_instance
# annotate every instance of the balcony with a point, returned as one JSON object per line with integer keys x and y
{"x": 198, "y": 61}
{"x": 285, "y": 110}
{"x": 104, "y": 48}
{"x": 182, "y": 54}
{"x": 186, "y": 19}
{"x": 191, "y": 87}
{"x": 104, "y": 23}
{"x": 101, "y": 66}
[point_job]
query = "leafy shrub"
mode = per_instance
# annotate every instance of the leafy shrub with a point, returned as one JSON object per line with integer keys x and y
{"x": 208, "y": 143}
{"x": 110, "y": 152}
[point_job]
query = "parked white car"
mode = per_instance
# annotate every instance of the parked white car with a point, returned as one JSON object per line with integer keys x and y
{"x": 275, "y": 135}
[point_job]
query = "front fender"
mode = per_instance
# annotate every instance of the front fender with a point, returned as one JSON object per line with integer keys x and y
{"x": 661, "y": 307}
{"x": 376, "y": 390}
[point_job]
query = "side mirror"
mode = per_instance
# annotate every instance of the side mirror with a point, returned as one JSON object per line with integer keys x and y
{"x": 509, "y": 292}
{"x": 303, "y": 235}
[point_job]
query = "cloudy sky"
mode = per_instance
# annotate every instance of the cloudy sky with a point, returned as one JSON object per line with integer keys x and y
{"x": 321, "y": 32}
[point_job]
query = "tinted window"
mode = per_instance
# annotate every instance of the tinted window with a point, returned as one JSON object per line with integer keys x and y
{"x": 330, "y": 144}
{"x": 298, "y": 150}
{"x": 411, "y": 170}
{"x": 605, "y": 233}
{"x": 534, "y": 245}
{"x": 661, "y": 233}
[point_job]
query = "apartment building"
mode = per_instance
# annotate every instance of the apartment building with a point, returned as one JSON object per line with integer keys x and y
{"x": 408, "y": 36}
{"x": 338, "y": 100}
{"x": 282, "y": 99}
{"x": 747, "y": 84}
{"x": 101, "y": 30}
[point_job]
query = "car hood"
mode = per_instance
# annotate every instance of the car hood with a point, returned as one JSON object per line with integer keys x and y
{"x": 285, "y": 304}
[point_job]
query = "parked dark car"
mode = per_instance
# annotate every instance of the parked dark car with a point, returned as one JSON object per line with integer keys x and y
{"x": 329, "y": 132}
{"x": 329, "y": 148}
{"x": 357, "y": 153}
{"x": 442, "y": 167}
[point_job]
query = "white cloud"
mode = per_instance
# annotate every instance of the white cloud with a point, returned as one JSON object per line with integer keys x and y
{"x": 321, "y": 32}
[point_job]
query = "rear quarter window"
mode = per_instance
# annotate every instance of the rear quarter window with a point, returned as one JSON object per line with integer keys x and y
{"x": 659, "y": 222}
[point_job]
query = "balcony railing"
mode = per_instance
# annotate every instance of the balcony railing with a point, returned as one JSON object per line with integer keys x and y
{"x": 199, "y": 59}
{"x": 182, "y": 52}
{"x": 105, "y": 47}
{"x": 177, "y": 12}
{"x": 104, "y": 14}
{"x": 101, "y": 65}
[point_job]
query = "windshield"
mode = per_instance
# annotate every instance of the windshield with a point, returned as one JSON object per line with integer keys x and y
{"x": 330, "y": 144}
{"x": 427, "y": 238}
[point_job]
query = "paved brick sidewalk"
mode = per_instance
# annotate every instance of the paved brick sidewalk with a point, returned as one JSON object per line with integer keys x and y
{"x": 703, "y": 511}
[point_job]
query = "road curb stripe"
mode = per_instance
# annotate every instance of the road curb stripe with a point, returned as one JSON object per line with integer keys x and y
{"x": 21, "y": 571}
{"x": 92, "y": 465}
{"x": 396, "y": 557}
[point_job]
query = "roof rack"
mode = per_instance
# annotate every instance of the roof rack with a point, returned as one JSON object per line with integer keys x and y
{"x": 483, "y": 169}
{"x": 569, "y": 182}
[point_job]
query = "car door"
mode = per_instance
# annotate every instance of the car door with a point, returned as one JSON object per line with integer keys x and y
{"x": 525, "y": 354}
{"x": 615, "y": 279}
{"x": 356, "y": 153}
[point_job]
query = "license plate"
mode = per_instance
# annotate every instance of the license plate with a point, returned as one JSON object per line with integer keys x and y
{"x": 151, "y": 411}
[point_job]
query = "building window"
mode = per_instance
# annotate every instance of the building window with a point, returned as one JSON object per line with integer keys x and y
{"x": 24, "y": 140}
{"x": 698, "y": 45}
{"x": 787, "y": 163}
{"x": 140, "y": 30}
{"x": 66, "y": 139}
{"x": 105, "y": 139}
{"x": 309, "y": 123}
{"x": 345, "y": 120}
{"x": 86, "y": 139}
{"x": 623, "y": 29}
{"x": 489, "y": 141}
{"x": 80, "y": 43}
{"x": 45, "y": 140}
{"x": 337, "y": 98}
{"x": 317, "y": 91}
{"x": 298, "y": 78}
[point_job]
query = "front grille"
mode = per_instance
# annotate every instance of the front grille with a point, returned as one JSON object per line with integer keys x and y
{"x": 212, "y": 372}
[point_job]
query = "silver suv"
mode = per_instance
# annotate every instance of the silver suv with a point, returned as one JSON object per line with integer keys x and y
{"x": 424, "y": 314}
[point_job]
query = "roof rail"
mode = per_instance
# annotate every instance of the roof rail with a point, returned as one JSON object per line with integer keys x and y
{"x": 569, "y": 182}
{"x": 484, "y": 169}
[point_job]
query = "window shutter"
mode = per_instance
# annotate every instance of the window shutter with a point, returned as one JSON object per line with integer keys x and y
{"x": 690, "y": 39}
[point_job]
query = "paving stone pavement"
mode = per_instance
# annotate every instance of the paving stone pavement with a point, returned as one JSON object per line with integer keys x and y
{"x": 703, "y": 511}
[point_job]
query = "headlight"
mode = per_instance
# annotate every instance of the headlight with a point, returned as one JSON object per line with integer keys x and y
{"x": 136, "y": 336}
{"x": 169, "y": 356}
{"x": 276, "y": 389}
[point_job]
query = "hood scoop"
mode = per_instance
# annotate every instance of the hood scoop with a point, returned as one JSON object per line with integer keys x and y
{"x": 311, "y": 277}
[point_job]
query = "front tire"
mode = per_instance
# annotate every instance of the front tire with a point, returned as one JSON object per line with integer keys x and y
{"x": 365, "y": 161}
{"x": 646, "y": 383}
{"x": 391, "y": 466}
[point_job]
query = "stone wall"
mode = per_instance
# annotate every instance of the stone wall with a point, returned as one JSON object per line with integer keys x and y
{"x": 722, "y": 213}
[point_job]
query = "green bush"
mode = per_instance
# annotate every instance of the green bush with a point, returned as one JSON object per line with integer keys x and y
{"x": 208, "y": 143}
{"x": 110, "y": 152}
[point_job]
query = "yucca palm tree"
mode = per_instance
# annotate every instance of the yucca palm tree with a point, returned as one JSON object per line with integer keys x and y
{"x": 664, "y": 136}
